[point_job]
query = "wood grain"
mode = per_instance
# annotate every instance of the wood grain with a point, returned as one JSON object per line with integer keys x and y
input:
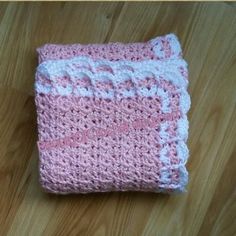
{"x": 208, "y": 34}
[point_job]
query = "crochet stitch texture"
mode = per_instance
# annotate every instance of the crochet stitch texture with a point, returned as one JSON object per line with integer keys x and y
{"x": 113, "y": 117}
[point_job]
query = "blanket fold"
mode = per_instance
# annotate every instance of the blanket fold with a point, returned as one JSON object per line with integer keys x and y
{"x": 113, "y": 117}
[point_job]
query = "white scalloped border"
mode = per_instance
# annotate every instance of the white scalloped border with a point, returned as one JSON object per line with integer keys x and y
{"x": 173, "y": 41}
{"x": 182, "y": 153}
{"x": 56, "y": 68}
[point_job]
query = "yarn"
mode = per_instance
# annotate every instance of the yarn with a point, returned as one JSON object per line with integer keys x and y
{"x": 93, "y": 89}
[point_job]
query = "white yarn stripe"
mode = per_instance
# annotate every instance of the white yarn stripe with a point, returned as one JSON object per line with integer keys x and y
{"x": 53, "y": 69}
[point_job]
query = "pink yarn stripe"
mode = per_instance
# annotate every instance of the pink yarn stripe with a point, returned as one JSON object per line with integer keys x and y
{"x": 159, "y": 48}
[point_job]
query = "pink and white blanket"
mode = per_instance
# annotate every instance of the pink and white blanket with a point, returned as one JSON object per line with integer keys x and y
{"x": 113, "y": 117}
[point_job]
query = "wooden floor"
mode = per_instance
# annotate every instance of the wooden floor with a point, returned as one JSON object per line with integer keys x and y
{"x": 208, "y": 35}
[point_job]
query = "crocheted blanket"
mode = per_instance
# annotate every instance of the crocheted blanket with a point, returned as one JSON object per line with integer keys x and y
{"x": 112, "y": 117}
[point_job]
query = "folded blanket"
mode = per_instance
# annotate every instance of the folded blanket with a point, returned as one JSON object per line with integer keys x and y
{"x": 113, "y": 117}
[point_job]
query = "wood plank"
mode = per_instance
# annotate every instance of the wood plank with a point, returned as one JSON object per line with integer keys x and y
{"x": 207, "y": 32}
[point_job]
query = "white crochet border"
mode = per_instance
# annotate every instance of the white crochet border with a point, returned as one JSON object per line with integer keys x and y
{"x": 173, "y": 42}
{"x": 57, "y": 68}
